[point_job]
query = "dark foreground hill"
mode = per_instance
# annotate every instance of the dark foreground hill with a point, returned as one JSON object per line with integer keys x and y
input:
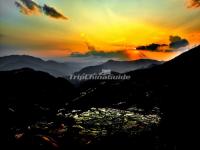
{"x": 27, "y": 86}
{"x": 30, "y": 94}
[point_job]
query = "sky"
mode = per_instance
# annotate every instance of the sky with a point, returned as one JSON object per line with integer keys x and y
{"x": 99, "y": 29}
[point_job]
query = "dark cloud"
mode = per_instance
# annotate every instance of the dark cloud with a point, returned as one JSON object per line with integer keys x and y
{"x": 31, "y": 4}
{"x": 177, "y": 42}
{"x": 52, "y": 12}
{"x": 193, "y": 3}
{"x": 151, "y": 47}
{"x": 29, "y": 7}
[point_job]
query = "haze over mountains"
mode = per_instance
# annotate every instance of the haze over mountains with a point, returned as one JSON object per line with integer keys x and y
{"x": 59, "y": 69}
{"x": 120, "y": 66}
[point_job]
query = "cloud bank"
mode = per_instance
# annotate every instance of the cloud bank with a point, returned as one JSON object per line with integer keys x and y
{"x": 101, "y": 54}
{"x": 176, "y": 42}
{"x": 152, "y": 47}
{"x": 29, "y": 7}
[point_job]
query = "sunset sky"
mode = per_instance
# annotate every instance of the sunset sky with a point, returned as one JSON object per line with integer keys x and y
{"x": 100, "y": 28}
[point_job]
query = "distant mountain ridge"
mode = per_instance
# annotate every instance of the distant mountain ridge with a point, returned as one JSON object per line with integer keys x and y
{"x": 54, "y": 68}
{"x": 62, "y": 69}
{"x": 120, "y": 66}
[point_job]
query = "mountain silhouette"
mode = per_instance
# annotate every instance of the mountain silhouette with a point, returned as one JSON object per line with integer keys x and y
{"x": 54, "y": 68}
{"x": 172, "y": 87}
